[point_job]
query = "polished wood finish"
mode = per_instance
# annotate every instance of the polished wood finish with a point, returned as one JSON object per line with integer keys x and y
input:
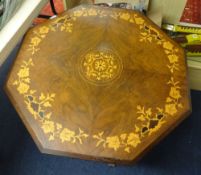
{"x": 99, "y": 83}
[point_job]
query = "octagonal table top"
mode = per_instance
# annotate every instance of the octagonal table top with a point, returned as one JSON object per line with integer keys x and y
{"x": 99, "y": 83}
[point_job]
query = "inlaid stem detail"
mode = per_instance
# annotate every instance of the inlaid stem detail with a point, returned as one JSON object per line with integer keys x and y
{"x": 124, "y": 141}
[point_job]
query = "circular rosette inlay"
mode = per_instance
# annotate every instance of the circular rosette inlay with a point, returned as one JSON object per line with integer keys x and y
{"x": 100, "y": 67}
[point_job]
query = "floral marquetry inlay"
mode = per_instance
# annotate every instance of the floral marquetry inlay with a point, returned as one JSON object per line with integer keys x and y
{"x": 99, "y": 67}
{"x": 39, "y": 104}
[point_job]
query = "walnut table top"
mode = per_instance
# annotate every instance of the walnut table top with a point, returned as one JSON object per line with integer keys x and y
{"x": 99, "y": 83}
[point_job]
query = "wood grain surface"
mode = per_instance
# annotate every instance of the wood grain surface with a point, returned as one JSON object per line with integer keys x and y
{"x": 99, "y": 83}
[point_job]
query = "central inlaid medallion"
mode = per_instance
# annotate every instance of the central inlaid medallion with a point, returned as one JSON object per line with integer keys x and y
{"x": 100, "y": 67}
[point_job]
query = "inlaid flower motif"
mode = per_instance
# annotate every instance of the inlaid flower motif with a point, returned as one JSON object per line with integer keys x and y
{"x": 78, "y": 13}
{"x": 113, "y": 142}
{"x": 139, "y": 21}
{"x": 133, "y": 139}
{"x": 23, "y": 88}
{"x": 23, "y": 72}
{"x": 43, "y": 30}
{"x": 167, "y": 45}
{"x": 66, "y": 135}
{"x": 175, "y": 93}
{"x": 35, "y": 41}
{"x": 100, "y": 65}
{"x": 66, "y": 27}
{"x": 170, "y": 109}
{"x": 125, "y": 16}
{"x": 173, "y": 58}
{"x": 48, "y": 126}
